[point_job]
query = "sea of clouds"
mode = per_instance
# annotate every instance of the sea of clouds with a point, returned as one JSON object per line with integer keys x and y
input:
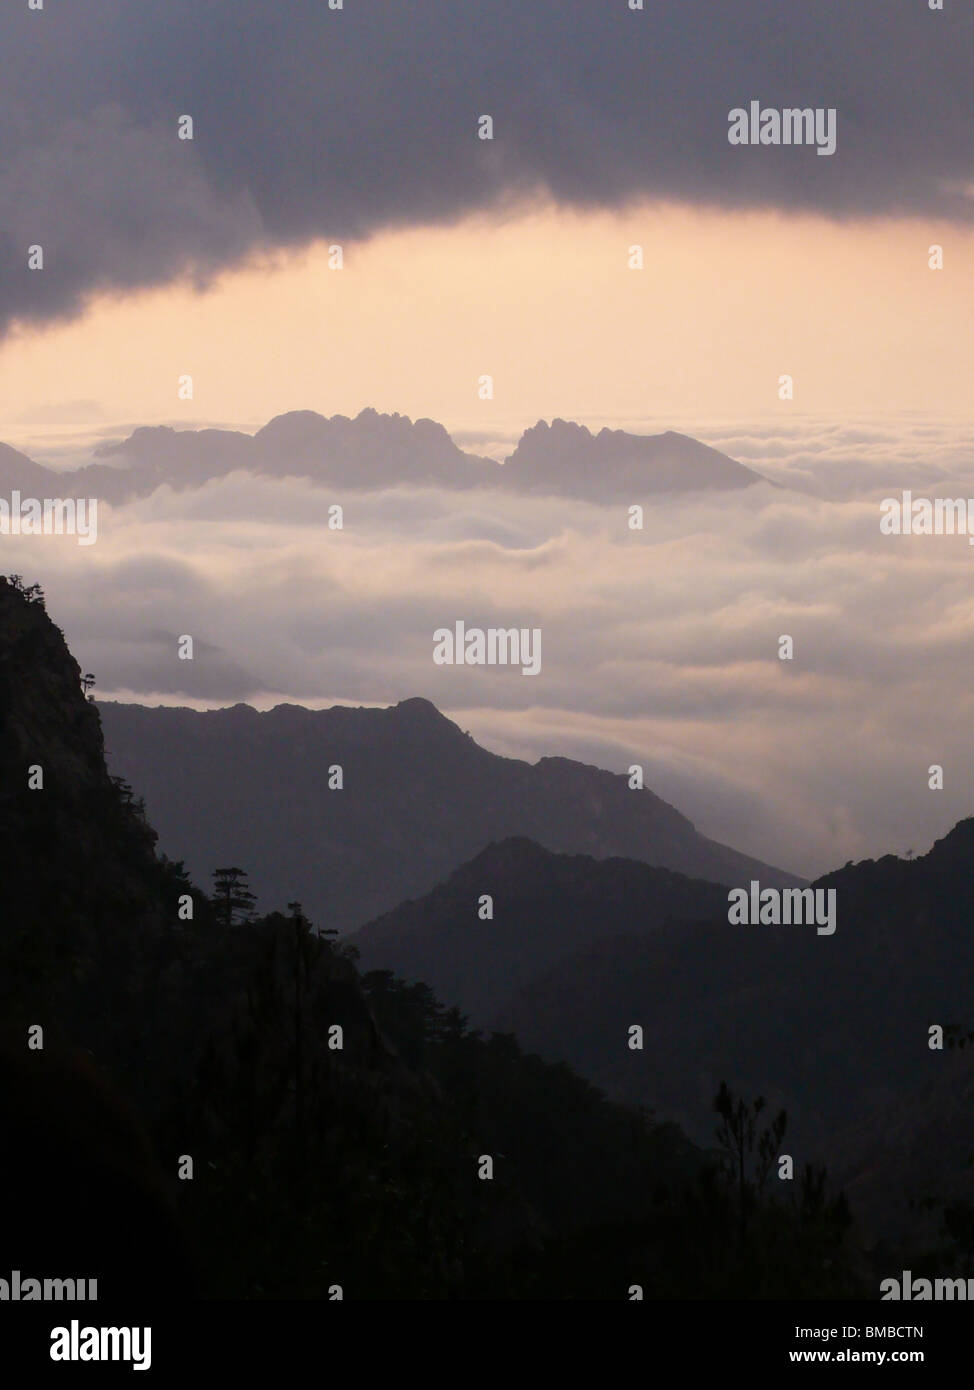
{"x": 659, "y": 646}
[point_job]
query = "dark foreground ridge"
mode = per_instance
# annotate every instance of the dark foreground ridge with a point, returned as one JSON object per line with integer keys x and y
{"x": 834, "y": 1028}
{"x": 232, "y": 1105}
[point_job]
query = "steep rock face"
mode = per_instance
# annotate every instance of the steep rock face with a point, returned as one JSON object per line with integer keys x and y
{"x": 92, "y": 944}
{"x": 214, "y": 1041}
{"x": 81, "y": 874}
{"x": 42, "y": 707}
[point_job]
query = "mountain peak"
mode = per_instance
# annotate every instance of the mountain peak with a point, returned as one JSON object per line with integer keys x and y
{"x": 419, "y": 710}
{"x": 419, "y": 797}
{"x": 957, "y": 844}
{"x": 302, "y": 426}
{"x": 373, "y": 450}
{"x": 567, "y": 458}
{"x": 142, "y": 436}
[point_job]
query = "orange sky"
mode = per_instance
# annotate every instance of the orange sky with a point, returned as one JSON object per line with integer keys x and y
{"x": 545, "y": 303}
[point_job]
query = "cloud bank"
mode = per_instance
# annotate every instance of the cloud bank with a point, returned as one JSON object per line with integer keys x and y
{"x": 311, "y": 122}
{"x": 658, "y": 647}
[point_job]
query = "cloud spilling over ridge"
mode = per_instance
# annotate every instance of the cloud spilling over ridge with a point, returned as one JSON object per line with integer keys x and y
{"x": 312, "y": 122}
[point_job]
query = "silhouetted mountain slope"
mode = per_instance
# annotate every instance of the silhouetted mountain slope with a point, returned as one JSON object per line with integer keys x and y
{"x": 375, "y": 451}
{"x": 902, "y": 1162}
{"x": 338, "y": 1126}
{"x": 108, "y": 884}
{"x": 419, "y": 798}
{"x": 17, "y": 470}
{"x": 834, "y": 1028}
{"x": 546, "y": 908}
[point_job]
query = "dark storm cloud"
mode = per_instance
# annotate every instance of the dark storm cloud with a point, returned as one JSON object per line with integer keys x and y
{"x": 315, "y": 122}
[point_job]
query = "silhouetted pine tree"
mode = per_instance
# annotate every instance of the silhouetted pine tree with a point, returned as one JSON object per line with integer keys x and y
{"x": 232, "y": 899}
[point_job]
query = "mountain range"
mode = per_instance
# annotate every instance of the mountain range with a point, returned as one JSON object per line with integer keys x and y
{"x": 835, "y": 1029}
{"x": 374, "y": 451}
{"x": 217, "y": 1030}
{"x": 337, "y": 1123}
{"x": 607, "y": 910}
{"x": 419, "y": 798}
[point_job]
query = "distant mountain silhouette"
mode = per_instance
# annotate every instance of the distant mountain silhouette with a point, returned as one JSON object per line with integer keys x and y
{"x": 19, "y": 471}
{"x": 613, "y": 465}
{"x": 419, "y": 798}
{"x": 371, "y": 451}
{"x": 546, "y": 908}
{"x": 374, "y": 451}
